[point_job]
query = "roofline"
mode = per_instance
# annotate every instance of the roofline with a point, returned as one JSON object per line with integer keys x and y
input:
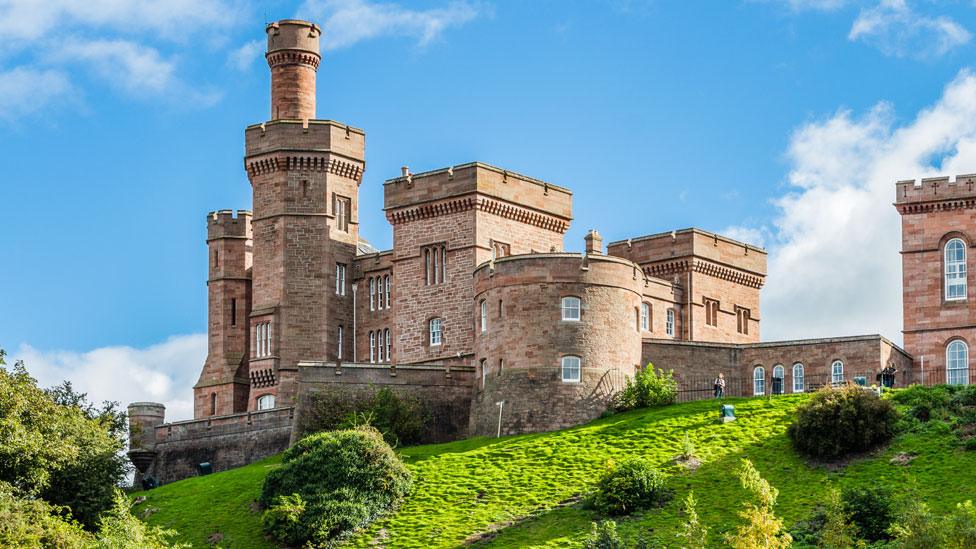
{"x": 482, "y": 165}
{"x": 311, "y": 121}
{"x": 692, "y": 230}
{"x": 783, "y": 343}
{"x": 560, "y": 255}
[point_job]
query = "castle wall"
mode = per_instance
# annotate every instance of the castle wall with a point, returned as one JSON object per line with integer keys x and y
{"x": 520, "y": 359}
{"x": 381, "y": 316}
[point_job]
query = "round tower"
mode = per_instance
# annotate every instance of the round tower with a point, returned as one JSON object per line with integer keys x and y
{"x": 293, "y": 56}
{"x": 143, "y": 419}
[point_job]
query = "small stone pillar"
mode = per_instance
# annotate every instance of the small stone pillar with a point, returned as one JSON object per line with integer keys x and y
{"x": 594, "y": 243}
{"x": 143, "y": 419}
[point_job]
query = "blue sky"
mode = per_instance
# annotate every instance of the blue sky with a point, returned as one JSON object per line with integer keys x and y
{"x": 784, "y": 123}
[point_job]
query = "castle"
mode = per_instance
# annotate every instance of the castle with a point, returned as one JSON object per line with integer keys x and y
{"x": 478, "y": 309}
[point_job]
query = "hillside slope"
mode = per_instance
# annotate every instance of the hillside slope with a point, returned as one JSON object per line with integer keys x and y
{"x": 522, "y": 491}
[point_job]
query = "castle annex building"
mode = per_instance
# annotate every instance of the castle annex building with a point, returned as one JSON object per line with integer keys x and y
{"x": 479, "y": 310}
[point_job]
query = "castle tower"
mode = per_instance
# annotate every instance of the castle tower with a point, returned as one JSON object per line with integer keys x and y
{"x": 223, "y": 385}
{"x": 143, "y": 419}
{"x": 305, "y": 176}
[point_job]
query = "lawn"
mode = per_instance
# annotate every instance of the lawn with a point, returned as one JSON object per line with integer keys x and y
{"x": 523, "y": 491}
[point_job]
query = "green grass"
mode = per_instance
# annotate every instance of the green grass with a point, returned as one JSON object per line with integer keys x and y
{"x": 514, "y": 485}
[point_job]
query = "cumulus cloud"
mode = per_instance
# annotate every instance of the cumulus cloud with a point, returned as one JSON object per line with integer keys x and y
{"x": 165, "y": 372}
{"x": 346, "y": 22}
{"x": 897, "y": 30}
{"x": 25, "y": 90}
{"x": 834, "y": 266}
{"x": 244, "y": 57}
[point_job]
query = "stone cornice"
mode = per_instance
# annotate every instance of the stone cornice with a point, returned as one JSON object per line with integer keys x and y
{"x": 936, "y": 205}
{"x": 471, "y": 202}
{"x": 303, "y": 161}
{"x": 293, "y": 57}
{"x": 683, "y": 265}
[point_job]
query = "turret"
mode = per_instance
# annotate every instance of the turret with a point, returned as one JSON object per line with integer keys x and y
{"x": 293, "y": 56}
{"x": 143, "y": 419}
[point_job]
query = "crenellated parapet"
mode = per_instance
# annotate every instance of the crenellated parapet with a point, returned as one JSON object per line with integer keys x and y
{"x": 935, "y": 194}
{"x": 229, "y": 224}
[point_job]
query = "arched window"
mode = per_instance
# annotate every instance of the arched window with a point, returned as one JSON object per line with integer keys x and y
{"x": 436, "y": 335}
{"x": 372, "y": 347}
{"x": 779, "y": 379}
{"x": 484, "y": 316}
{"x": 389, "y": 358}
{"x": 645, "y": 317}
{"x": 571, "y": 308}
{"x": 759, "y": 381}
{"x": 837, "y": 373}
{"x": 571, "y": 369}
{"x": 266, "y": 402}
{"x": 386, "y": 283}
{"x": 798, "y": 382}
{"x": 955, "y": 269}
{"x": 372, "y": 294}
{"x": 957, "y": 363}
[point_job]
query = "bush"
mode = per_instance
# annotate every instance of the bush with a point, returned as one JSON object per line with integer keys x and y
{"x": 837, "y": 531}
{"x": 633, "y": 485}
{"x": 762, "y": 527}
{"x": 648, "y": 388}
{"x": 871, "y": 510}
{"x": 330, "y": 484}
{"x": 837, "y": 422}
{"x": 692, "y": 533}
{"x": 401, "y": 420}
{"x": 603, "y": 536}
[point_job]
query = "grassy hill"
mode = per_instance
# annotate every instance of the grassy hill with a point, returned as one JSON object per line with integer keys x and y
{"x": 523, "y": 491}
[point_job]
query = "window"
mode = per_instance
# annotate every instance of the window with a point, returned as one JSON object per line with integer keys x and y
{"x": 779, "y": 375}
{"x": 435, "y": 264}
{"x": 759, "y": 381}
{"x": 499, "y": 308}
{"x": 216, "y": 259}
{"x": 711, "y": 312}
{"x": 377, "y": 292}
{"x": 484, "y": 316}
{"x": 386, "y": 283}
{"x": 645, "y": 317}
{"x": 484, "y": 372}
{"x": 500, "y": 249}
{"x": 571, "y": 308}
{"x": 571, "y": 369}
{"x": 233, "y": 312}
{"x": 379, "y": 346}
{"x": 501, "y": 363}
{"x": 837, "y": 373}
{"x": 372, "y": 294}
{"x": 372, "y": 348}
{"x": 669, "y": 323}
{"x": 436, "y": 335}
{"x": 957, "y": 363}
{"x": 341, "y": 207}
{"x": 266, "y": 402}
{"x": 742, "y": 320}
{"x": 389, "y": 357}
{"x": 798, "y": 382}
{"x": 339, "y": 343}
{"x": 213, "y": 404}
{"x": 262, "y": 339}
{"x": 955, "y": 269}
{"x": 340, "y": 279}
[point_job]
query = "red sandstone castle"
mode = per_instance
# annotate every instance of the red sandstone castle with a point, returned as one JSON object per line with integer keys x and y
{"x": 478, "y": 309}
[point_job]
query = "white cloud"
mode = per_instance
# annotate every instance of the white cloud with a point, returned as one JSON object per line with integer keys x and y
{"x": 25, "y": 90}
{"x": 834, "y": 266}
{"x": 244, "y": 57}
{"x": 749, "y": 235}
{"x": 897, "y": 30}
{"x": 346, "y": 22}
{"x": 164, "y": 373}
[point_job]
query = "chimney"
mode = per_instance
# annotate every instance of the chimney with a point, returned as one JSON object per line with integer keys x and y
{"x": 293, "y": 56}
{"x": 594, "y": 242}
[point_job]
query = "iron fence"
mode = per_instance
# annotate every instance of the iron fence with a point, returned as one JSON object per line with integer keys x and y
{"x": 702, "y": 387}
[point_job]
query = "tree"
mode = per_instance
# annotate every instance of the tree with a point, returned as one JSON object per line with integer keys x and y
{"x": 837, "y": 532}
{"x": 762, "y": 527}
{"x": 693, "y": 534}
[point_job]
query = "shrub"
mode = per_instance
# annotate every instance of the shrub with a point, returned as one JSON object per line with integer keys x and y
{"x": 648, "y": 388}
{"x": 918, "y": 528}
{"x": 692, "y": 533}
{"x": 926, "y": 403}
{"x": 633, "y": 485}
{"x": 837, "y": 531}
{"x": 837, "y": 422}
{"x": 960, "y": 526}
{"x": 401, "y": 419}
{"x": 762, "y": 527}
{"x": 872, "y": 510}
{"x": 330, "y": 484}
{"x": 603, "y": 536}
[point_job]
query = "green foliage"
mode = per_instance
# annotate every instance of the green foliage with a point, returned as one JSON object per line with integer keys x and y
{"x": 918, "y": 528}
{"x": 603, "y": 536}
{"x": 692, "y": 533}
{"x": 687, "y": 448}
{"x": 648, "y": 388}
{"x": 762, "y": 528}
{"x": 871, "y": 509}
{"x": 926, "y": 403}
{"x": 960, "y": 526}
{"x": 118, "y": 529}
{"x": 330, "y": 484}
{"x": 838, "y": 422}
{"x": 401, "y": 419}
{"x": 631, "y": 486}
{"x": 837, "y": 531}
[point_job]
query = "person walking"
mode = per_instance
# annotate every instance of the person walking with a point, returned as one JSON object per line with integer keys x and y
{"x": 720, "y": 385}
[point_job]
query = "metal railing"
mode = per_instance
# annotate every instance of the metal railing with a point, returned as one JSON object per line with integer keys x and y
{"x": 702, "y": 387}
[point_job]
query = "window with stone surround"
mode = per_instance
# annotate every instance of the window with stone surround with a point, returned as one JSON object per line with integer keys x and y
{"x": 262, "y": 339}
{"x": 669, "y": 323}
{"x": 339, "y": 343}
{"x": 386, "y": 284}
{"x": 799, "y": 385}
{"x": 779, "y": 379}
{"x": 372, "y": 294}
{"x": 957, "y": 363}
{"x": 837, "y": 372}
{"x": 436, "y": 332}
{"x": 571, "y": 369}
{"x": 711, "y": 311}
{"x": 571, "y": 308}
{"x": 340, "y": 279}
{"x": 435, "y": 263}
{"x": 372, "y": 347}
{"x": 233, "y": 312}
{"x": 213, "y": 404}
{"x": 389, "y": 347}
{"x": 484, "y": 372}
{"x": 758, "y": 381}
{"x": 955, "y": 269}
{"x": 379, "y": 347}
{"x": 266, "y": 402}
{"x": 484, "y": 315}
{"x": 500, "y": 249}
{"x": 742, "y": 317}
{"x": 645, "y": 317}
{"x": 340, "y": 207}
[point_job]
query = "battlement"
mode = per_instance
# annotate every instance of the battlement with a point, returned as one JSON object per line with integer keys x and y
{"x": 920, "y": 194}
{"x": 462, "y": 181}
{"x": 228, "y": 224}
{"x": 293, "y": 57}
{"x": 675, "y": 245}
